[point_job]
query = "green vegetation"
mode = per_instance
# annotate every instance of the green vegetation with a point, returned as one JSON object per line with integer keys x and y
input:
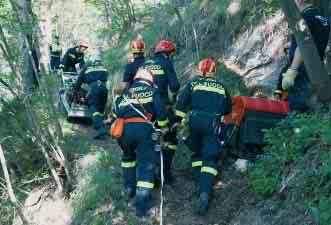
{"x": 258, "y": 9}
{"x": 178, "y": 23}
{"x": 28, "y": 167}
{"x": 98, "y": 198}
{"x": 298, "y": 157}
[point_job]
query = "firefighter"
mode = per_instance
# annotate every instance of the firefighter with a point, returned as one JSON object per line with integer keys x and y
{"x": 136, "y": 60}
{"x": 74, "y": 56}
{"x": 208, "y": 101}
{"x": 95, "y": 76}
{"x": 295, "y": 80}
{"x": 165, "y": 78}
{"x": 56, "y": 52}
{"x": 140, "y": 103}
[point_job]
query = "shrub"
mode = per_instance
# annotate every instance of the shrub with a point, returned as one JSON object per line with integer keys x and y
{"x": 287, "y": 143}
{"x": 302, "y": 141}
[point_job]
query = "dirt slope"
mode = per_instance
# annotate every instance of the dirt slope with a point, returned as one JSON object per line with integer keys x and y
{"x": 233, "y": 202}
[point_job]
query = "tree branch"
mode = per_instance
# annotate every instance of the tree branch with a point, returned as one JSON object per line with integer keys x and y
{"x": 10, "y": 190}
{"x": 9, "y": 56}
{"x": 4, "y": 83}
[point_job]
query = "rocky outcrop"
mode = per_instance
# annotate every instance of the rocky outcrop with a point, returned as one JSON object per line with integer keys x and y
{"x": 258, "y": 54}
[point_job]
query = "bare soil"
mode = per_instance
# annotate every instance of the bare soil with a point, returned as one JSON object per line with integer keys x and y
{"x": 233, "y": 202}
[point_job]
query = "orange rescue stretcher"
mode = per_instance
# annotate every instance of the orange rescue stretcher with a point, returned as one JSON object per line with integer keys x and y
{"x": 247, "y": 122}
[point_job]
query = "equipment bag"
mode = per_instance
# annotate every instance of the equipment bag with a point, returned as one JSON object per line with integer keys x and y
{"x": 243, "y": 104}
{"x": 116, "y": 130}
{"x": 246, "y": 124}
{"x": 255, "y": 123}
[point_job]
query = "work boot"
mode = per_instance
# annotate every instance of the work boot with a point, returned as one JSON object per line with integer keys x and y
{"x": 97, "y": 121}
{"x": 203, "y": 204}
{"x": 143, "y": 196}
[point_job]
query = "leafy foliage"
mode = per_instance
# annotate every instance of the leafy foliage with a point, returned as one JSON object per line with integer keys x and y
{"x": 100, "y": 187}
{"x": 5, "y": 209}
{"x": 257, "y": 9}
{"x": 300, "y": 143}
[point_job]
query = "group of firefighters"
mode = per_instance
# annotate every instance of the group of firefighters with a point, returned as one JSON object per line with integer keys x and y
{"x": 147, "y": 102}
{"x": 149, "y": 105}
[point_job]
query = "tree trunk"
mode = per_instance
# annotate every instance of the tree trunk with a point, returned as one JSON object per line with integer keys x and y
{"x": 41, "y": 44}
{"x": 10, "y": 58}
{"x": 315, "y": 68}
{"x": 46, "y": 140}
{"x": 10, "y": 190}
{"x": 23, "y": 11}
{"x": 108, "y": 13}
{"x": 45, "y": 32}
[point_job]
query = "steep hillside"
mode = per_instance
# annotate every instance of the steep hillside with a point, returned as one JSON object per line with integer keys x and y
{"x": 288, "y": 185}
{"x": 246, "y": 38}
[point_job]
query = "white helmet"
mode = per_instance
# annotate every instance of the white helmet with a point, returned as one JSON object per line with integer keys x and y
{"x": 144, "y": 75}
{"x": 82, "y": 43}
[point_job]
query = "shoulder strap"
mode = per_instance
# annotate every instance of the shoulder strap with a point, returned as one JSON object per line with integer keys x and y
{"x": 135, "y": 109}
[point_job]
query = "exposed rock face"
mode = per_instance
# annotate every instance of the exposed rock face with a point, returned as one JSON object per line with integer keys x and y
{"x": 258, "y": 54}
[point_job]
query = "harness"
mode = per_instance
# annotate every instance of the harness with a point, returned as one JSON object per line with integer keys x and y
{"x": 134, "y": 120}
{"x": 138, "y": 119}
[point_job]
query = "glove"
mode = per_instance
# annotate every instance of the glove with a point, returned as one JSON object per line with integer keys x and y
{"x": 288, "y": 79}
{"x": 157, "y": 134}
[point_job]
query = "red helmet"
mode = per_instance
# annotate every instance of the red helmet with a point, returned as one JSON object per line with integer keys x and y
{"x": 145, "y": 75}
{"x": 165, "y": 46}
{"x": 207, "y": 67}
{"x": 137, "y": 46}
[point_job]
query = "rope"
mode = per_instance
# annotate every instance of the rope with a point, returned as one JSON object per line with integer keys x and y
{"x": 161, "y": 191}
{"x": 161, "y": 156}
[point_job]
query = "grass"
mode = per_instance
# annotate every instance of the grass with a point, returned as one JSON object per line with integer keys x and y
{"x": 98, "y": 198}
